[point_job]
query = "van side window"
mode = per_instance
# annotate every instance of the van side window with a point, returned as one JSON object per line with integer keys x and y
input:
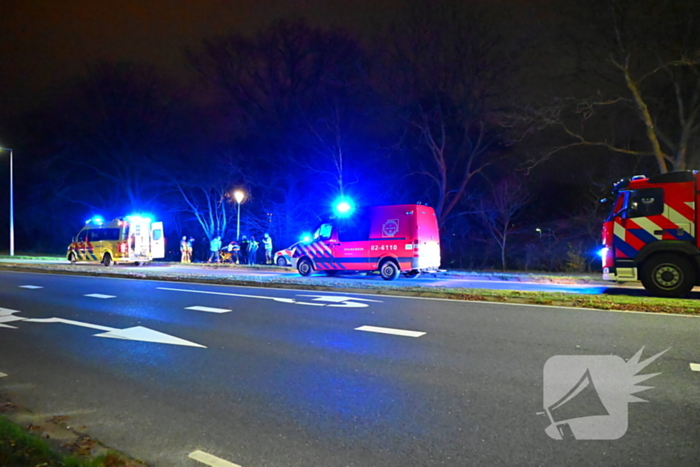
{"x": 354, "y": 229}
{"x": 324, "y": 232}
{"x": 97, "y": 235}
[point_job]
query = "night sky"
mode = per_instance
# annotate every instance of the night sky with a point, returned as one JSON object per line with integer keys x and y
{"x": 44, "y": 41}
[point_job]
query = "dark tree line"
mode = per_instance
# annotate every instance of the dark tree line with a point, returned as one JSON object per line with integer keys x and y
{"x": 433, "y": 109}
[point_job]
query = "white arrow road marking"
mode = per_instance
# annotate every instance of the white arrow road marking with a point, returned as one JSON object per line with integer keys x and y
{"x": 396, "y": 332}
{"x": 140, "y": 333}
{"x": 99, "y": 295}
{"x": 695, "y": 366}
{"x": 137, "y": 333}
{"x": 207, "y": 309}
{"x": 2, "y": 375}
{"x": 335, "y": 301}
{"x": 31, "y": 287}
{"x": 208, "y": 459}
{"x": 6, "y": 317}
{"x": 339, "y": 301}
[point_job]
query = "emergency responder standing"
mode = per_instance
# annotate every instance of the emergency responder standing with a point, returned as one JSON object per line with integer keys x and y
{"x": 184, "y": 257}
{"x": 244, "y": 249}
{"x": 214, "y": 247}
{"x": 252, "y": 250}
{"x": 235, "y": 250}
{"x": 190, "y": 249}
{"x": 267, "y": 244}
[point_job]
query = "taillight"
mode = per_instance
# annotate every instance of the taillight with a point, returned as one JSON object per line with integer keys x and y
{"x": 122, "y": 247}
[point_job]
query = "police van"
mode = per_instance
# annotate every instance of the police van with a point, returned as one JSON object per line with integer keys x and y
{"x": 132, "y": 239}
{"x": 394, "y": 240}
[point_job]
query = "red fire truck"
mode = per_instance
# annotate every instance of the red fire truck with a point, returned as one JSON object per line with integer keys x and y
{"x": 391, "y": 239}
{"x": 650, "y": 233}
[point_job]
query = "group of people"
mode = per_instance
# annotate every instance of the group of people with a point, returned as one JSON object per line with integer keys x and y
{"x": 186, "y": 249}
{"x": 244, "y": 253}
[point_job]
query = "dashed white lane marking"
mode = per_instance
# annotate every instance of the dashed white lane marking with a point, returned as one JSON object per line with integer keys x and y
{"x": 99, "y": 295}
{"x": 31, "y": 287}
{"x": 207, "y": 309}
{"x": 2, "y": 375}
{"x": 208, "y": 459}
{"x": 396, "y": 332}
{"x": 695, "y": 367}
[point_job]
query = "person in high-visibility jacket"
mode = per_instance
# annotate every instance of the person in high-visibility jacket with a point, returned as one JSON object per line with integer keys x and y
{"x": 267, "y": 244}
{"x": 184, "y": 255}
{"x": 214, "y": 247}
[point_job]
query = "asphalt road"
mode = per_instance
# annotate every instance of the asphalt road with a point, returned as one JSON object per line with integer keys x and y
{"x": 272, "y": 377}
{"x": 349, "y": 280}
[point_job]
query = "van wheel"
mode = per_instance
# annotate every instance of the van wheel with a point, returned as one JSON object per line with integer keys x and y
{"x": 389, "y": 270}
{"x": 71, "y": 258}
{"x": 107, "y": 260}
{"x": 305, "y": 267}
{"x": 668, "y": 275}
{"x": 411, "y": 274}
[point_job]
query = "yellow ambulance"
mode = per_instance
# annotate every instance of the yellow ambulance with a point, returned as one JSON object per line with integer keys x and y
{"x": 132, "y": 239}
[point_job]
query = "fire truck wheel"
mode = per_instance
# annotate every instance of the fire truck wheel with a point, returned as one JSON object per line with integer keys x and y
{"x": 107, "y": 260}
{"x": 71, "y": 258}
{"x": 389, "y": 270}
{"x": 668, "y": 275}
{"x": 305, "y": 267}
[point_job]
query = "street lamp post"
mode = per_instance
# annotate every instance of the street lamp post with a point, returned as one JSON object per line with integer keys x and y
{"x": 12, "y": 207}
{"x": 239, "y": 195}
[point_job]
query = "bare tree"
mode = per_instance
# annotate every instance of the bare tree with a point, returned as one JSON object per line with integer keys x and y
{"x": 497, "y": 211}
{"x": 445, "y": 70}
{"x": 644, "y": 57}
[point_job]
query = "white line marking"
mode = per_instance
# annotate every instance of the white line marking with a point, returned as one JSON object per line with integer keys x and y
{"x": 208, "y": 459}
{"x": 136, "y": 333}
{"x": 31, "y": 287}
{"x": 335, "y": 301}
{"x": 207, "y": 309}
{"x": 99, "y": 295}
{"x": 695, "y": 366}
{"x": 2, "y": 375}
{"x": 397, "y": 332}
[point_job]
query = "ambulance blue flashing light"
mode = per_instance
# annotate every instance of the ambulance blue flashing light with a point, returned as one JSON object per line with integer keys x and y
{"x": 95, "y": 220}
{"x": 138, "y": 218}
{"x": 343, "y": 207}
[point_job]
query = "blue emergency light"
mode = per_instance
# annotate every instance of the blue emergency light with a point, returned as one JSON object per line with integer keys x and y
{"x": 95, "y": 220}
{"x": 139, "y": 218}
{"x": 343, "y": 207}
{"x": 306, "y": 238}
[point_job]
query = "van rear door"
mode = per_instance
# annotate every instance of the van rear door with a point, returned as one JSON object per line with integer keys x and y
{"x": 157, "y": 240}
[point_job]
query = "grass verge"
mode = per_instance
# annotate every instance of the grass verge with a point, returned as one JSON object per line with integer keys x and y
{"x": 19, "y": 448}
{"x": 600, "y": 302}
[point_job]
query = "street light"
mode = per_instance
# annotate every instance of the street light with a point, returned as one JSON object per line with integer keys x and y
{"x": 12, "y": 208}
{"x": 239, "y": 195}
